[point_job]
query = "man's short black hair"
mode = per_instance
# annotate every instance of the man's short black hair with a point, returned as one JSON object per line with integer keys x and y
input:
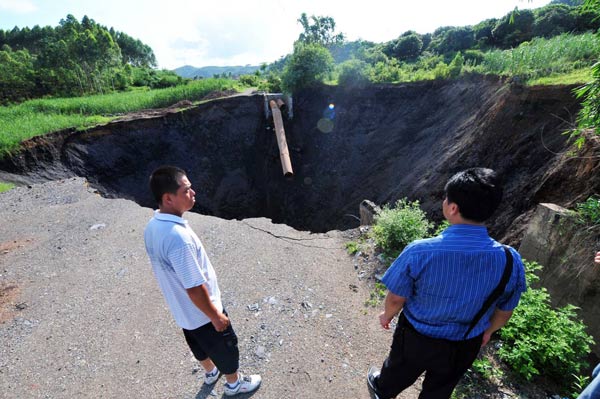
{"x": 165, "y": 179}
{"x": 476, "y": 191}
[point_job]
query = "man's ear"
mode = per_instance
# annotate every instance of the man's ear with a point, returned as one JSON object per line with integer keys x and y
{"x": 166, "y": 199}
{"x": 453, "y": 208}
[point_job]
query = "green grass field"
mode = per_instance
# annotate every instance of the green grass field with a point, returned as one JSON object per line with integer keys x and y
{"x": 37, "y": 117}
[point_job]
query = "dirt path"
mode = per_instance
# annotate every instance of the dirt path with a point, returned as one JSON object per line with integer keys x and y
{"x": 84, "y": 316}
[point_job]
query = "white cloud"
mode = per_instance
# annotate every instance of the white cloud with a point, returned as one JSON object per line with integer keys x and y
{"x": 18, "y": 6}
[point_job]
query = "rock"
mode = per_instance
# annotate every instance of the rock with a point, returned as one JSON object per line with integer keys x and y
{"x": 368, "y": 211}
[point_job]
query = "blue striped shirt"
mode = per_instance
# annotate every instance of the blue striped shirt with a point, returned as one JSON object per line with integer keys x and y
{"x": 446, "y": 279}
{"x": 180, "y": 262}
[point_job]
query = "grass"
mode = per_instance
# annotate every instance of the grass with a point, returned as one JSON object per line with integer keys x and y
{"x": 5, "y": 186}
{"x": 579, "y": 76}
{"x": 37, "y": 117}
{"x": 540, "y": 57}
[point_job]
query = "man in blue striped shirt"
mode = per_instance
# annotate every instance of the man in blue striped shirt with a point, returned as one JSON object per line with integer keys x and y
{"x": 440, "y": 285}
{"x": 189, "y": 283}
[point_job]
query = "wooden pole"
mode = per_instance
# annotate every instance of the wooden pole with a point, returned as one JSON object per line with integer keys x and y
{"x": 284, "y": 154}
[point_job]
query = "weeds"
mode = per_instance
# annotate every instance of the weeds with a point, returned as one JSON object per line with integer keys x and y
{"x": 588, "y": 212}
{"x": 352, "y": 247}
{"x": 377, "y": 295}
{"x": 5, "y": 187}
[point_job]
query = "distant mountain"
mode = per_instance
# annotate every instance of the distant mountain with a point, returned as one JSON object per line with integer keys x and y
{"x": 189, "y": 71}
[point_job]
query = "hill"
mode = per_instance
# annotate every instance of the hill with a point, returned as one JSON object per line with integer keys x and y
{"x": 191, "y": 72}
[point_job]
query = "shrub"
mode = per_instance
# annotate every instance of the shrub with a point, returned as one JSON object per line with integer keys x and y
{"x": 397, "y": 227}
{"x": 456, "y": 65}
{"x": 441, "y": 71}
{"x": 541, "y": 340}
{"x": 308, "y": 65}
{"x": 250, "y": 80}
{"x": 589, "y": 211}
{"x": 353, "y": 73}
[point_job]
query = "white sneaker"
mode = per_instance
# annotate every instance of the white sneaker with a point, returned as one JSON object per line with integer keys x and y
{"x": 245, "y": 384}
{"x": 211, "y": 378}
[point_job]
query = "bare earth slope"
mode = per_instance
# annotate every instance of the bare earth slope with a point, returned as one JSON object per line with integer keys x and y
{"x": 86, "y": 318}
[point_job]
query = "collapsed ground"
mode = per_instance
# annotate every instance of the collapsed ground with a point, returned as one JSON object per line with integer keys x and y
{"x": 381, "y": 143}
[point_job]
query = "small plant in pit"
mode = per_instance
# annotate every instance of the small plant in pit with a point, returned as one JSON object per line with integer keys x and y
{"x": 588, "y": 212}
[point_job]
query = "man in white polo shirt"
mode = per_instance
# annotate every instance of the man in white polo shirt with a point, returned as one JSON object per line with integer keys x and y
{"x": 189, "y": 283}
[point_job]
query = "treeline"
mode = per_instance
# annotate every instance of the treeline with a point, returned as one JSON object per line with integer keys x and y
{"x": 507, "y": 32}
{"x": 441, "y": 54}
{"x": 73, "y": 59}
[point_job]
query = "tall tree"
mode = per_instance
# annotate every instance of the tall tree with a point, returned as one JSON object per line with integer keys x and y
{"x": 319, "y": 30}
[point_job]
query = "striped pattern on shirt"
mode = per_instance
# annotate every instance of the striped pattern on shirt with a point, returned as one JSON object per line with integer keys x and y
{"x": 447, "y": 278}
{"x": 179, "y": 262}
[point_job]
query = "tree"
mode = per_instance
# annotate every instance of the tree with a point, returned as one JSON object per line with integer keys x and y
{"x": 319, "y": 30}
{"x": 553, "y": 20}
{"x": 407, "y": 47}
{"x": 453, "y": 39}
{"x": 309, "y": 64}
{"x": 353, "y": 73}
{"x": 514, "y": 28}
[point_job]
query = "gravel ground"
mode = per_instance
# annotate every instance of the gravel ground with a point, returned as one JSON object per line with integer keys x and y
{"x": 82, "y": 316}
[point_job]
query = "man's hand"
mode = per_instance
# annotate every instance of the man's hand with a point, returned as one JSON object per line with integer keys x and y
{"x": 597, "y": 258}
{"x": 486, "y": 338}
{"x": 384, "y": 321}
{"x": 221, "y": 322}
{"x": 392, "y": 306}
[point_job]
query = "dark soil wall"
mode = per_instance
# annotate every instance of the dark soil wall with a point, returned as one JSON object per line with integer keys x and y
{"x": 381, "y": 143}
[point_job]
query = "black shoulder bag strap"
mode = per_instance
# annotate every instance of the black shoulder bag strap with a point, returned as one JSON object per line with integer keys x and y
{"x": 497, "y": 291}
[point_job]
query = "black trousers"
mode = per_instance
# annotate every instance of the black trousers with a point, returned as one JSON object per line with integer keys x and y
{"x": 412, "y": 353}
{"x": 221, "y": 347}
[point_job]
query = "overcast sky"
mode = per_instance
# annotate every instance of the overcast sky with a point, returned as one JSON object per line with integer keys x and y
{"x": 241, "y": 32}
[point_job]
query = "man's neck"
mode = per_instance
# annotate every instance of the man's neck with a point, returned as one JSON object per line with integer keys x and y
{"x": 168, "y": 211}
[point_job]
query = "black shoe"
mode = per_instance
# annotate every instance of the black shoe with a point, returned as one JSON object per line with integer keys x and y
{"x": 372, "y": 377}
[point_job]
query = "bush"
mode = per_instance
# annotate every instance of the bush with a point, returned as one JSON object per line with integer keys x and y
{"x": 441, "y": 71}
{"x": 353, "y": 73}
{"x": 589, "y": 211}
{"x": 309, "y": 64}
{"x": 456, "y": 65}
{"x": 541, "y": 340}
{"x": 250, "y": 80}
{"x": 397, "y": 227}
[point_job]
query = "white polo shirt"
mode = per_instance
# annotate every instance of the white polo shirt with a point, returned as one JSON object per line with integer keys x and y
{"x": 180, "y": 262}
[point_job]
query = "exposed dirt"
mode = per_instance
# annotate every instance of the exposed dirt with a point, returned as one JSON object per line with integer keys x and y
{"x": 381, "y": 143}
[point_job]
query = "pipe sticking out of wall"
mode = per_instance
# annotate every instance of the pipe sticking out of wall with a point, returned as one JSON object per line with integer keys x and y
{"x": 286, "y": 163}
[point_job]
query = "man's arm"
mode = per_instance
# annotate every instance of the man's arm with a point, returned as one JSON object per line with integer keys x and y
{"x": 393, "y": 304}
{"x": 200, "y": 297}
{"x": 498, "y": 320}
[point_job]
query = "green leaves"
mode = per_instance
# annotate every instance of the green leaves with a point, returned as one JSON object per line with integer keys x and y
{"x": 542, "y": 340}
{"x": 396, "y": 227}
{"x": 309, "y": 64}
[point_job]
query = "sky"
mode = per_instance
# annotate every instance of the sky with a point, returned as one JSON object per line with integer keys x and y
{"x": 250, "y": 32}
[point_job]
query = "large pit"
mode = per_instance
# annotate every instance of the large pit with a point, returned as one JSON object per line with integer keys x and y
{"x": 378, "y": 143}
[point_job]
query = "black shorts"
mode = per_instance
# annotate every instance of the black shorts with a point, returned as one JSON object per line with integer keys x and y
{"x": 221, "y": 347}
